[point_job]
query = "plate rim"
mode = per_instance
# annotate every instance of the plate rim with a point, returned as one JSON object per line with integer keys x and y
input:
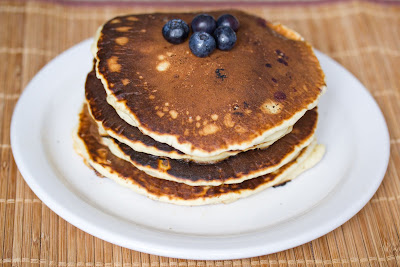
{"x": 148, "y": 246}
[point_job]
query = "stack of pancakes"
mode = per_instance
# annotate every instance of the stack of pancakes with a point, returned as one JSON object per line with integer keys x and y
{"x": 193, "y": 131}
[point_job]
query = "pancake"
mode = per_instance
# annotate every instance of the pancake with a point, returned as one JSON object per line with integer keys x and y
{"x": 96, "y": 155}
{"x": 230, "y": 100}
{"x": 236, "y": 169}
{"x": 111, "y": 124}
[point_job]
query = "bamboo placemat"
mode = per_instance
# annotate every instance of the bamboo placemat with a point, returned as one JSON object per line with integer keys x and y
{"x": 363, "y": 36}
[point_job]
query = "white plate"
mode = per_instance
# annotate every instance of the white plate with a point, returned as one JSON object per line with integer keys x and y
{"x": 351, "y": 126}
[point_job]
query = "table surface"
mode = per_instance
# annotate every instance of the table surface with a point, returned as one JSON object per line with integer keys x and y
{"x": 363, "y": 36}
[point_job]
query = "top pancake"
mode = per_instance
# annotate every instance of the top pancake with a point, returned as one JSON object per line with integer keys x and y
{"x": 231, "y": 100}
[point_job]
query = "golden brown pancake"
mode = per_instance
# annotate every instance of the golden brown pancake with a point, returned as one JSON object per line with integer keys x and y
{"x": 231, "y": 100}
{"x": 111, "y": 124}
{"x": 87, "y": 144}
{"x": 235, "y": 169}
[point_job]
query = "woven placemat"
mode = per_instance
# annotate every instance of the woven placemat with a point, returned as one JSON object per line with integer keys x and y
{"x": 362, "y": 36}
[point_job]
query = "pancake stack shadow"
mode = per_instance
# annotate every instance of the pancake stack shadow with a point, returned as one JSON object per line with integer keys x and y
{"x": 163, "y": 122}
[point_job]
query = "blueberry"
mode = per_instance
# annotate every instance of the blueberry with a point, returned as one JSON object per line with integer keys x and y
{"x": 229, "y": 21}
{"x": 201, "y": 44}
{"x": 175, "y": 31}
{"x": 204, "y": 23}
{"x": 225, "y": 37}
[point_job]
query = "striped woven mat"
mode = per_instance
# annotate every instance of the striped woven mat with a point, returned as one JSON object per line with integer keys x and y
{"x": 363, "y": 36}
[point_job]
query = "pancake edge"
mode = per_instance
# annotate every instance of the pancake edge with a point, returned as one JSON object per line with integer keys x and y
{"x": 141, "y": 147}
{"x": 114, "y": 148}
{"x": 306, "y": 161}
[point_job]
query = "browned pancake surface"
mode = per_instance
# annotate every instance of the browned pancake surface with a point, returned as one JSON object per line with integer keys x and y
{"x": 102, "y": 111}
{"x": 100, "y": 154}
{"x": 230, "y": 97}
{"x": 233, "y": 169}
